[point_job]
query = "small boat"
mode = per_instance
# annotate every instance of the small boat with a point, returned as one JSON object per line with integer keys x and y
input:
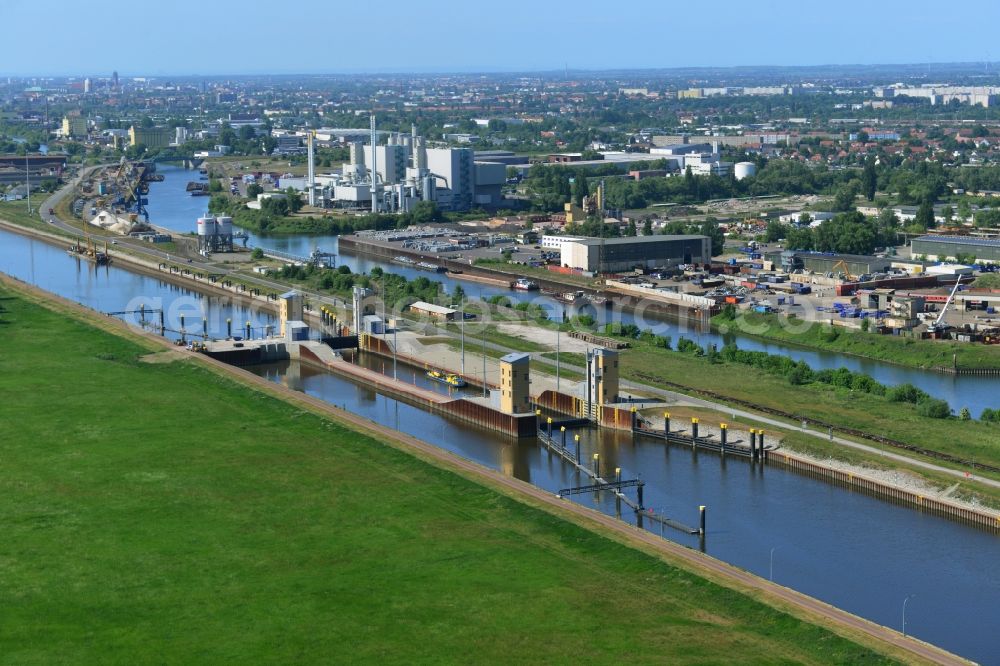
{"x": 199, "y": 193}
{"x": 447, "y": 378}
{"x": 524, "y": 284}
{"x": 403, "y": 260}
{"x": 90, "y": 253}
{"x": 428, "y": 266}
{"x": 570, "y": 296}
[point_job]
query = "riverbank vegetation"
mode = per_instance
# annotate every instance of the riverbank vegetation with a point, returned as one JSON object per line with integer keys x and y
{"x": 910, "y": 352}
{"x": 135, "y": 539}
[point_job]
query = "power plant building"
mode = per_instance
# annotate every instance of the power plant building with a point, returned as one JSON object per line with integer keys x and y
{"x": 407, "y": 171}
{"x": 615, "y": 255}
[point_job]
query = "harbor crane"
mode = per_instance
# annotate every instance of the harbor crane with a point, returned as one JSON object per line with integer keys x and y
{"x": 939, "y": 322}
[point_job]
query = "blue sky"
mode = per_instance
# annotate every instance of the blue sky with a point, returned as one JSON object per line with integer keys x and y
{"x": 93, "y": 37}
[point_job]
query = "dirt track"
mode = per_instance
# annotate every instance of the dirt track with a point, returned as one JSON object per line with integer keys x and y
{"x": 837, "y": 620}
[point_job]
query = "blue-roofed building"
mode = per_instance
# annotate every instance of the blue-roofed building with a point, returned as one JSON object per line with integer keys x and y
{"x": 942, "y": 248}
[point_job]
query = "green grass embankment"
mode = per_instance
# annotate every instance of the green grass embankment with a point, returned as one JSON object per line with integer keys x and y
{"x": 16, "y": 212}
{"x": 924, "y": 354}
{"x": 162, "y": 512}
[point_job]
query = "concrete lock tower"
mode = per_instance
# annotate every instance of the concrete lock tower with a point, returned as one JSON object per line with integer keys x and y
{"x": 359, "y": 294}
{"x": 602, "y": 377}
{"x": 515, "y": 383}
{"x": 289, "y": 309}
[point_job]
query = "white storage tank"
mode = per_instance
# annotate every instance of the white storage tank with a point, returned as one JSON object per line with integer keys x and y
{"x": 224, "y": 225}
{"x": 744, "y": 169}
{"x": 206, "y": 226}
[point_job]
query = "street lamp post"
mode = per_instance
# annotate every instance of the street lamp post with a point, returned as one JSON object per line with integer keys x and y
{"x": 558, "y": 337}
{"x": 27, "y": 179}
{"x": 770, "y": 571}
{"x": 908, "y": 597}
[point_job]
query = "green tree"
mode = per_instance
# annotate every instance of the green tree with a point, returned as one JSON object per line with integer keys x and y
{"x": 925, "y": 216}
{"x": 948, "y": 213}
{"x": 647, "y": 227}
{"x": 425, "y": 212}
{"x": 580, "y": 190}
{"x": 775, "y": 231}
{"x": 887, "y": 218}
{"x": 710, "y": 227}
{"x": 257, "y": 254}
{"x": 964, "y": 210}
{"x": 843, "y": 198}
{"x": 293, "y": 199}
{"x": 933, "y": 408}
{"x": 253, "y": 189}
{"x": 988, "y": 218}
{"x": 869, "y": 180}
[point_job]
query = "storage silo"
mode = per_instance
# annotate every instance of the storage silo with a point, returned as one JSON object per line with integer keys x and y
{"x": 224, "y": 233}
{"x": 744, "y": 169}
{"x": 206, "y": 232}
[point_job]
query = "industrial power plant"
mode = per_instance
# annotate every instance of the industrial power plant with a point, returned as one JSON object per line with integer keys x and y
{"x": 392, "y": 177}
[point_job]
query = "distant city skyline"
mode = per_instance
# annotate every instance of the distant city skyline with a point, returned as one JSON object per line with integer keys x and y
{"x": 205, "y": 38}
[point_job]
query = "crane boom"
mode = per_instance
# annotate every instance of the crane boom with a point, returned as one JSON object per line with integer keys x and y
{"x": 951, "y": 296}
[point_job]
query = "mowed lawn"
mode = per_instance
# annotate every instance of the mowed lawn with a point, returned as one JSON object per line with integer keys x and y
{"x": 161, "y": 513}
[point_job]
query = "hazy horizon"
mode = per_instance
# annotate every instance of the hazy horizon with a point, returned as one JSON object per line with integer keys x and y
{"x": 190, "y": 38}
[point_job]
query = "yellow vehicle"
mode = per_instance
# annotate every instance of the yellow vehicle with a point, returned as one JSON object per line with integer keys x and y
{"x": 448, "y": 378}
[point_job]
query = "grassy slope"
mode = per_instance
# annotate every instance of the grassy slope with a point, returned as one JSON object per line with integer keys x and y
{"x": 160, "y": 512}
{"x": 16, "y": 212}
{"x": 892, "y": 349}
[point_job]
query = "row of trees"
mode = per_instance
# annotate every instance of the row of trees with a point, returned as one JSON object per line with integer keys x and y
{"x": 845, "y": 233}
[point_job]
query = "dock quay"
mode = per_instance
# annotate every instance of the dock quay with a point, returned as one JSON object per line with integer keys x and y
{"x": 756, "y": 449}
{"x": 462, "y": 269}
{"x": 547, "y": 437}
{"x": 982, "y": 518}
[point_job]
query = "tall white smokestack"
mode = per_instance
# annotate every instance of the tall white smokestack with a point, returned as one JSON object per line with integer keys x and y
{"x": 311, "y": 175}
{"x": 374, "y": 167}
